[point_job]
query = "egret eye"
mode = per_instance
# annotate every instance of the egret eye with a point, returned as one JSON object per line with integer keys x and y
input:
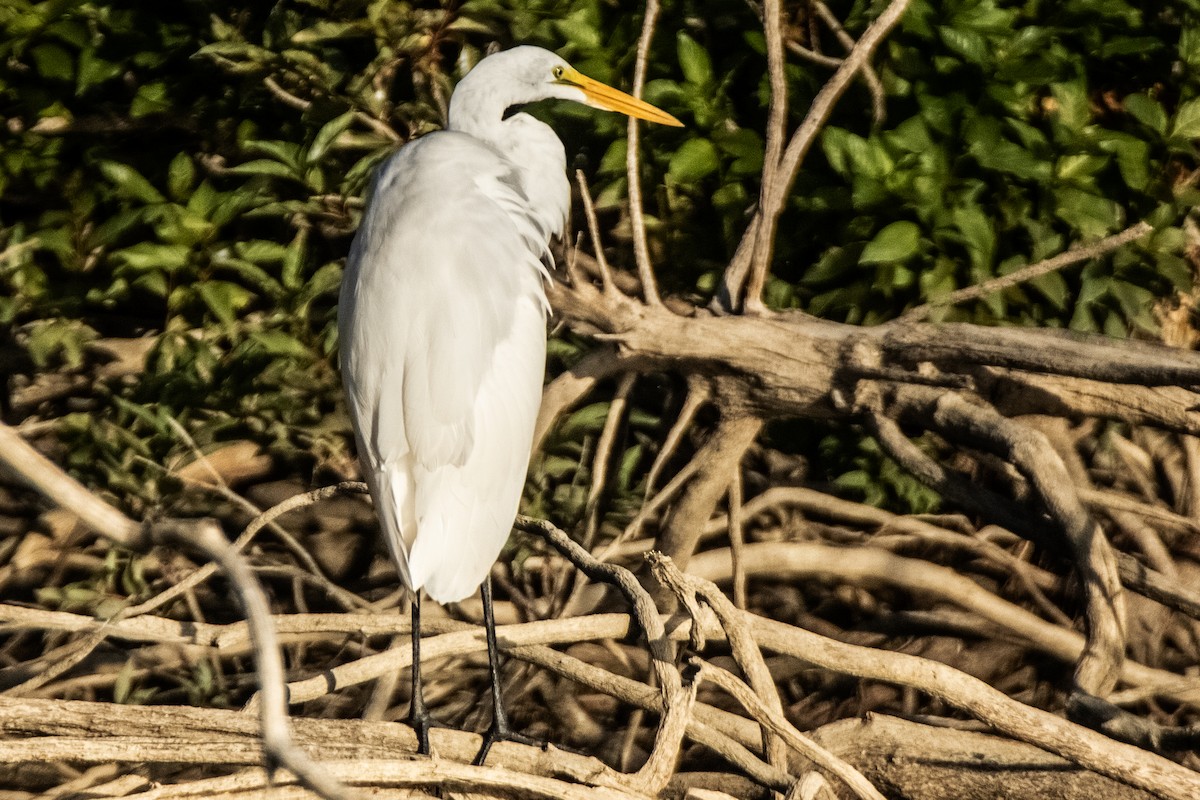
{"x": 557, "y": 72}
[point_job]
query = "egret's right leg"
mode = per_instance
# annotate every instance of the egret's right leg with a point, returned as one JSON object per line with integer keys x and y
{"x": 499, "y": 731}
{"x": 418, "y": 715}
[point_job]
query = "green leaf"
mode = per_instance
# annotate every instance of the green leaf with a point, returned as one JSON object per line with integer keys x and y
{"x": 611, "y": 194}
{"x": 53, "y": 61}
{"x": 1133, "y": 158}
{"x": 851, "y": 155}
{"x": 148, "y": 256}
{"x": 1147, "y": 111}
{"x": 249, "y": 271}
{"x": 262, "y": 166}
{"x": 746, "y": 147}
{"x": 557, "y": 467}
{"x": 260, "y": 251}
{"x": 731, "y": 197}
{"x": 325, "y": 279}
{"x": 1072, "y": 108}
{"x": 694, "y": 60}
{"x": 1092, "y": 215}
{"x": 977, "y": 233}
{"x": 1080, "y": 167}
{"x": 129, "y": 182}
{"x": 278, "y": 343}
{"x": 294, "y": 258}
{"x": 613, "y": 160}
{"x": 94, "y": 70}
{"x": 967, "y": 43}
{"x": 1186, "y": 125}
{"x": 662, "y": 92}
{"x": 833, "y": 263}
{"x": 123, "y": 685}
{"x": 589, "y": 419}
{"x": 1189, "y": 45}
{"x": 327, "y": 135}
{"x": 224, "y": 299}
{"x": 175, "y": 224}
{"x": 834, "y": 142}
{"x": 1093, "y": 288}
{"x": 112, "y": 229}
{"x": 228, "y": 54}
{"x": 204, "y": 200}
{"x": 627, "y": 472}
{"x": 153, "y": 282}
{"x": 58, "y": 338}
{"x": 580, "y": 30}
{"x": 994, "y": 152}
{"x": 694, "y": 160}
{"x": 899, "y": 241}
{"x": 180, "y": 176}
{"x": 330, "y": 29}
{"x": 151, "y": 98}
{"x": 288, "y": 153}
{"x": 1054, "y": 287}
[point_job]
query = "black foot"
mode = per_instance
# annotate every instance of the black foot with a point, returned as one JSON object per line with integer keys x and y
{"x": 422, "y": 722}
{"x": 502, "y": 733}
{"x": 499, "y": 731}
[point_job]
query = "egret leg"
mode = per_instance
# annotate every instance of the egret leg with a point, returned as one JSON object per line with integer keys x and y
{"x": 499, "y": 730}
{"x": 418, "y": 714}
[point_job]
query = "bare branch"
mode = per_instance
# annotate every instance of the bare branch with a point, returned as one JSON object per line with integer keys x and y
{"x": 589, "y": 212}
{"x": 1028, "y": 449}
{"x": 641, "y": 250}
{"x": 568, "y": 389}
{"x": 718, "y": 459}
{"x": 1085, "y": 747}
{"x": 697, "y": 396}
{"x": 800, "y": 743}
{"x": 864, "y": 566}
{"x": 603, "y": 456}
{"x": 1032, "y": 271}
{"x": 207, "y": 537}
{"x": 751, "y": 262}
{"x": 65, "y": 491}
{"x": 874, "y": 85}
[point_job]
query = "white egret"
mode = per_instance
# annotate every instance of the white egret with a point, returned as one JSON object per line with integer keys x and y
{"x": 442, "y": 330}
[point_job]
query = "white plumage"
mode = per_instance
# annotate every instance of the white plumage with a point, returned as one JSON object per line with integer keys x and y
{"x": 442, "y": 317}
{"x": 443, "y": 360}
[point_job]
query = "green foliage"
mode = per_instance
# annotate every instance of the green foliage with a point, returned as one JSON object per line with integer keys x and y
{"x": 1014, "y": 131}
{"x": 193, "y": 172}
{"x": 154, "y": 183}
{"x": 104, "y": 594}
{"x": 859, "y": 468}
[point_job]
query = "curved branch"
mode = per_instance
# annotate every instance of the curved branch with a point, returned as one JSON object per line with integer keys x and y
{"x": 1031, "y": 271}
{"x": 641, "y": 250}
{"x": 1030, "y": 451}
{"x": 205, "y": 536}
{"x": 752, "y": 260}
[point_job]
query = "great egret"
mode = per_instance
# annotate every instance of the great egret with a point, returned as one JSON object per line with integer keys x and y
{"x": 442, "y": 329}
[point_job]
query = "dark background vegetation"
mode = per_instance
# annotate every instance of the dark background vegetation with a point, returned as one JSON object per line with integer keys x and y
{"x": 153, "y": 184}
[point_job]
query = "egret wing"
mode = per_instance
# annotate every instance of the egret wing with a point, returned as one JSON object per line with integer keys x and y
{"x": 439, "y": 277}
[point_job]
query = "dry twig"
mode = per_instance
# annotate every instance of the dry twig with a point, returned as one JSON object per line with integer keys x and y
{"x": 205, "y": 536}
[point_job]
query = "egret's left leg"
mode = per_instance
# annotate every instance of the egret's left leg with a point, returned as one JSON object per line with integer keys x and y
{"x": 499, "y": 730}
{"x": 418, "y": 714}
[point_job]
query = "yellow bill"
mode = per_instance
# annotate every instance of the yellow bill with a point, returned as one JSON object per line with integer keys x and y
{"x": 604, "y": 96}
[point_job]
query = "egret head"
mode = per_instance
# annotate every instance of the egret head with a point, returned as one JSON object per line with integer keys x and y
{"x": 527, "y": 74}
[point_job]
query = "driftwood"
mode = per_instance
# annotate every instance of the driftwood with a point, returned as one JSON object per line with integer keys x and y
{"x": 908, "y": 760}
